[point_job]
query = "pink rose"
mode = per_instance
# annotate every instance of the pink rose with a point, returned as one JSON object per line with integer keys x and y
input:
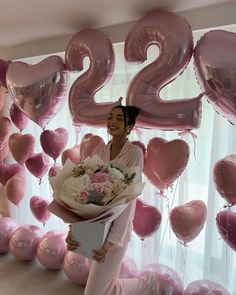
{"x": 97, "y": 187}
{"x": 83, "y": 195}
{"x": 99, "y": 177}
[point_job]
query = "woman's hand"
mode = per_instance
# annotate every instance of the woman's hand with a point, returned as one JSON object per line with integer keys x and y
{"x": 71, "y": 243}
{"x": 100, "y": 254}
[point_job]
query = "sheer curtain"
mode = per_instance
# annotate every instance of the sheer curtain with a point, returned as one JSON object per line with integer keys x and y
{"x": 207, "y": 256}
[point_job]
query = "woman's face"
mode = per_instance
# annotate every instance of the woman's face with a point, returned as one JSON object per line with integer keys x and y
{"x": 116, "y": 123}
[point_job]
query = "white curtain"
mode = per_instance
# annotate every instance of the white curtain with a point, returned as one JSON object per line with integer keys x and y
{"x": 207, "y": 256}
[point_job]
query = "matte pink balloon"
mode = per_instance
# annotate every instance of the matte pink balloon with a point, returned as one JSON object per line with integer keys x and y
{"x": 226, "y": 225}
{"x": 3, "y": 70}
{"x": 76, "y": 267}
{"x": 205, "y": 287}
{"x": 173, "y": 36}
{"x": 88, "y": 143}
{"x": 73, "y": 154}
{"x": 96, "y": 45}
{"x": 128, "y": 268}
{"x": 53, "y": 142}
{"x": 15, "y": 188}
{"x": 39, "y": 208}
{"x": 147, "y": 219}
{"x": 38, "y": 165}
{"x": 21, "y": 146}
{"x": 3, "y": 93}
{"x": 38, "y": 90}
{"x": 24, "y": 241}
{"x": 5, "y": 129}
{"x": 168, "y": 275}
{"x": 52, "y": 249}
{"x": 7, "y": 226}
{"x": 54, "y": 170}
{"x": 224, "y": 175}
{"x": 4, "y": 150}
{"x": 140, "y": 144}
{"x": 18, "y": 117}
{"x": 215, "y": 66}
{"x": 167, "y": 158}
{"x": 7, "y": 171}
{"x": 188, "y": 220}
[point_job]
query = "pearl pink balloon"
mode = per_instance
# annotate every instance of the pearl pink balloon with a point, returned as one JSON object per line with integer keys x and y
{"x": 96, "y": 45}
{"x": 54, "y": 170}
{"x": 15, "y": 188}
{"x": 7, "y": 226}
{"x": 88, "y": 143}
{"x": 39, "y": 208}
{"x": 166, "y": 274}
{"x": 167, "y": 158}
{"x": 38, "y": 165}
{"x": 226, "y": 225}
{"x": 73, "y": 154}
{"x": 24, "y": 241}
{"x": 3, "y": 70}
{"x": 52, "y": 249}
{"x": 38, "y": 90}
{"x": 147, "y": 219}
{"x": 173, "y": 37}
{"x": 54, "y": 142}
{"x": 215, "y": 65}
{"x": 205, "y": 287}
{"x": 7, "y": 171}
{"x": 18, "y": 117}
{"x": 5, "y": 129}
{"x": 188, "y": 220}
{"x": 21, "y": 146}
{"x": 3, "y": 93}
{"x": 128, "y": 268}
{"x": 76, "y": 267}
{"x": 224, "y": 174}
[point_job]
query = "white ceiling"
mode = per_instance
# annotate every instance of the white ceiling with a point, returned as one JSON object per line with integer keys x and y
{"x": 29, "y": 27}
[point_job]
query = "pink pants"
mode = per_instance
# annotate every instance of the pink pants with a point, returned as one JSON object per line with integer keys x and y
{"x": 104, "y": 278}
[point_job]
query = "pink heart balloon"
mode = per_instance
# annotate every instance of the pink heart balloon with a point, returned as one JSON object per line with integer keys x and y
{"x": 39, "y": 208}
{"x": 19, "y": 119}
{"x": 54, "y": 142}
{"x": 5, "y": 129}
{"x": 73, "y": 154}
{"x": 205, "y": 287}
{"x": 188, "y": 220}
{"x": 15, "y": 188}
{"x": 3, "y": 70}
{"x": 54, "y": 170}
{"x": 38, "y": 165}
{"x": 21, "y": 146}
{"x": 167, "y": 158}
{"x": 147, "y": 219}
{"x": 226, "y": 225}
{"x": 88, "y": 143}
{"x": 4, "y": 150}
{"x": 7, "y": 171}
{"x": 38, "y": 90}
{"x": 3, "y": 93}
{"x": 215, "y": 67}
{"x": 224, "y": 173}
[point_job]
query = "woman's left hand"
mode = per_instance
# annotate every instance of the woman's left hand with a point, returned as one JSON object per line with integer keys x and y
{"x": 100, "y": 254}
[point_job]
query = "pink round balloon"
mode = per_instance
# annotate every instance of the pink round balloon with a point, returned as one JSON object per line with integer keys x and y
{"x": 128, "y": 268}
{"x": 173, "y": 36}
{"x": 188, "y": 220}
{"x": 226, "y": 225}
{"x": 39, "y": 208}
{"x": 7, "y": 171}
{"x": 167, "y": 158}
{"x": 76, "y": 267}
{"x": 21, "y": 146}
{"x": 168, "y": 275}
{"x": 205, "y": 287}
{"x": 38, "y": 165}
{"x": 5, "y": 129}
{"x": 215, "y": 66}
{"x": 147, "y": 219}
{"x": 15, "y": 188}
{"x": 88, "y": 143}
{"x": 24, "y": 241}
{"x": 224, "y": 174}
{"x": 18, "y": 117}
{"x": 54, "y": 170}
{"x": 38, "y": 90}
{"x": 52, "y": 249}
{"x": 96, "y": 45}
{"x": 73, "y": 154}
{"x": 7, "y": 226}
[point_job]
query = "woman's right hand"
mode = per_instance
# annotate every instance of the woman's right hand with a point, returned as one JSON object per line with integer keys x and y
{"x": 71, "y": 243}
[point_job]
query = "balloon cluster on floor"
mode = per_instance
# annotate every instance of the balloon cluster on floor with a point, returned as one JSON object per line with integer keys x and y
{"x": 38, "y": 92}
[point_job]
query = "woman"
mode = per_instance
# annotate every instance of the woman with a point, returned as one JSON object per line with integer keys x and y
{"x": 104, "y": 273}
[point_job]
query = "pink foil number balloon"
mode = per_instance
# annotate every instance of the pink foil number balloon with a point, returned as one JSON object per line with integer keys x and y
{"x": 39, "y": 208}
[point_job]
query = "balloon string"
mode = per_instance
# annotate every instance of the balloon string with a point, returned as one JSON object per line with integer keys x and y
{"x": 183, "y": 266}
{"x": 194, "y": 137}
{"x": 77, "y": 131}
